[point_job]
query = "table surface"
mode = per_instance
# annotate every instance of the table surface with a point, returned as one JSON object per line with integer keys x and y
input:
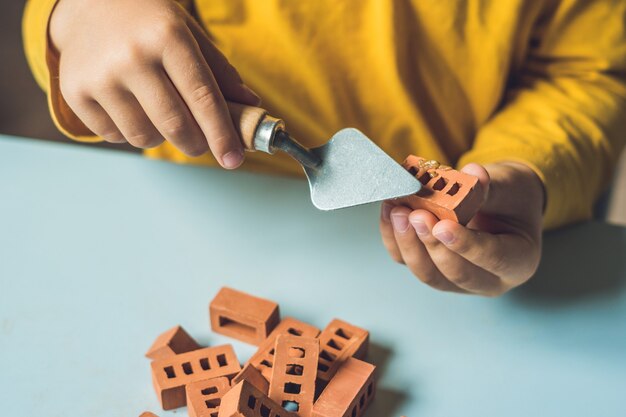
{"x": 100, "y": 251}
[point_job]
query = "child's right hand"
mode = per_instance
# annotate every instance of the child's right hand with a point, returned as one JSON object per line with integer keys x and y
{"x": 143, "y": 71}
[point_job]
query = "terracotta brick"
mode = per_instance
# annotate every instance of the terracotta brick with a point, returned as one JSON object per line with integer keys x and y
{"x": 171, "y": 375}
{"x": 245, "y": 400}
{"x": 148, "y": 414}
{"x": 253, "y": 376}
{"x": 294, "y": 373}
{"x": 339, "y": 341}
{"x": 263, "y": 359}
{"x": 172, "y": 342}
{"x": 447, "y": 193}
{"x": 204, "y": 397}
{"x": 242, "y": 316}
{"x": 349, "y": 392}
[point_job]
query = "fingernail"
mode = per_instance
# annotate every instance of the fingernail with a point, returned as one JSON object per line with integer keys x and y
{"x": 420, "y": 227}
{"x": 400, "y": 222}
{"x": 445, "y": 237}
{"x": 232, "y": 159}
{"x": 385, "y": 211}
{"x": 252, "y": 94}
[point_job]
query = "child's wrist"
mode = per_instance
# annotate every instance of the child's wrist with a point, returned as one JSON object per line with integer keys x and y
{"x": 60, "y": 23}
{"x": 518, "y": 180}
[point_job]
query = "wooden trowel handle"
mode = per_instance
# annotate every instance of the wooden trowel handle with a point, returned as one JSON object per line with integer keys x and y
{"x": 247, "y": 120}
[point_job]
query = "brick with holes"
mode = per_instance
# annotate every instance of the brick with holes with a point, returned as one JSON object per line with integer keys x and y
{"x": 339, "y": 341}
{"x": 245, "y": 400}
{"x": 172, "y": 342}
{"x": 243, "y": 316}
{"x": 263, "y": 359}
{"x": 349, "y": 392}
{"x": 294, "y": 373}
{"x": 204, "y": 397}
{"x": 253, "y": 376}
{"x": 171, "y": 375}
{"x": 447, "y": 193}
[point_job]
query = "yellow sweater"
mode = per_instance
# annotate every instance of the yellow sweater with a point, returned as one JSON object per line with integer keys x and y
{"x": 542, "y": 82}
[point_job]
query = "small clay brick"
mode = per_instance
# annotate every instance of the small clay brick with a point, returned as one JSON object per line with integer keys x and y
{"x": 171, "y": 375}
{"x": 242, "y": 316}
{"x": 148, "y": 414}
{"x": 349, "y": 392}
{"x": 339, "y": 341}
{"x": 263, "y": 359}
{"x": 172, "y": 342}
{"x": 447, "y": 193}
{"x": 253, "y": 376}
{"x": 245, "y": 400}
{"x": 294, "y": 373}
{"x": 204, "y": 397}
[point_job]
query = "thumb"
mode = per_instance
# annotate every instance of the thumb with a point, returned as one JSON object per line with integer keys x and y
{"x": 483, "y": 177}
{"x": 231, "y": 85}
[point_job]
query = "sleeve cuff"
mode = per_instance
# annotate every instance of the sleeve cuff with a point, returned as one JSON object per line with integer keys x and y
{"x": 35, "y": 35}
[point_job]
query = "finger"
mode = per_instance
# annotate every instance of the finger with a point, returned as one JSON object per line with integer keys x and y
{"x": 452, "y": 266}
{"x": 414, "y": 253}
{"x": 167, "y": 111}
{"x": 97, "y": 120}
{"x": 386, "y": 232}
{"x": 232, "y": 86}
{"x": 483, "y": 177}
{"x": 504, "y": 255}
{"x": 130, "y": 118}
{"x": 192, "y": 77}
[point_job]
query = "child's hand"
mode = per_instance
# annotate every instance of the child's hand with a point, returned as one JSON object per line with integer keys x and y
{"x": 143, "y": 71}
{"x": 499, "y": 249}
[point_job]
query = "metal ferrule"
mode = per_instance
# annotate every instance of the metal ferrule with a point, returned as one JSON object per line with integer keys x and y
{"x": 270, "y": 135}
{"x": 266, "y": 132}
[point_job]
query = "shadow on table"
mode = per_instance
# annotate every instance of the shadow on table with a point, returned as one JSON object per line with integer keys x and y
{"x": 581, "y": 262}
{"x": 387, "y": 403}
{"x": 388, "y": 400}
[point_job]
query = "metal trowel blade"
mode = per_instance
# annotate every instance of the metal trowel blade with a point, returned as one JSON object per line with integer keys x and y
{"x": 355, "y": 171}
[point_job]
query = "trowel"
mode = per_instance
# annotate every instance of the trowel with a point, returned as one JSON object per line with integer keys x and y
{"x": 349, "y": 170}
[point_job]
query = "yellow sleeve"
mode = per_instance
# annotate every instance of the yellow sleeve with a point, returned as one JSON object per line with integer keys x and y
{"x": 35, "y": 27}
{"x": 565, "y": 114}
{"x": 43, "y": 60}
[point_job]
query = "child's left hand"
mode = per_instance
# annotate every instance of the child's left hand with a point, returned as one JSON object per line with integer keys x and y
{"x": 499, "y": 249}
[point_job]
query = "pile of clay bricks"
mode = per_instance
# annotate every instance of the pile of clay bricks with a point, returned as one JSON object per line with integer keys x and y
{"x": 297, "y": 370}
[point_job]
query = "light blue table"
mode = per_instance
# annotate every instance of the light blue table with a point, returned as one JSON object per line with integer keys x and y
{"x": 101, "y": 250}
